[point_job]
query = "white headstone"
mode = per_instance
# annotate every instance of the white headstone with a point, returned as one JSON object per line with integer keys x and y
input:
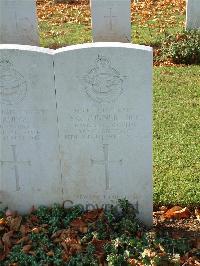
{"x": 18, "y": 22}
{"x": 105, "y": 124}
{"x": 111, "y": 20}
{"x": 193, "y": 14}
{"x": 29, "y": 156}
{"x": 76, "y": 133}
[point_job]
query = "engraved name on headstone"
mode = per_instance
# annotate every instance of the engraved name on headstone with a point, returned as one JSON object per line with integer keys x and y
{"x": 105, "y": 121}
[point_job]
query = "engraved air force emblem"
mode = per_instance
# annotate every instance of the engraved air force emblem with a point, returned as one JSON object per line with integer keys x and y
{"x": 103, "y": 83}
{"x": 13, "y": 86}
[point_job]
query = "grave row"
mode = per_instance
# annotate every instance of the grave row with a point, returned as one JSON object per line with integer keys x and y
{"x": 111, "y": 20}
{"x": 76, "y": 123}
{"x": 76, "y": 126}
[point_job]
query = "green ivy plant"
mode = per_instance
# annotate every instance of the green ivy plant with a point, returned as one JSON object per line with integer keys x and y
{"x": 182, "y": 48}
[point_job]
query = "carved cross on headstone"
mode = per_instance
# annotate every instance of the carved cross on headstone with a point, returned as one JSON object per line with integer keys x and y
{"x": 15, "y": 164}
{"x": 105, "y": 162}
{"x": 110, "y": 17}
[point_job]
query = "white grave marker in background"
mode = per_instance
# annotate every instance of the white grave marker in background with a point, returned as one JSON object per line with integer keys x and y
{"x": 105, "y": 124}
{"x": 111, "y": 20}
{"x": 29, "y": 157}
{"x": 193, "y": 14}
{"x": 18, "y": 22}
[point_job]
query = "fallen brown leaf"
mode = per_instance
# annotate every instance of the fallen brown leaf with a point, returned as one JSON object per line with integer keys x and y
{"x": 197, "y": 213}
{"x": 7, "y": 239}
{"x": 50, "y": 253}
{"x": 99, "y": 244}
{"x": 158, "y": 213}
{"x": 24, "y": 229}
{"x": 177, "y": 213}
{"x": 79, "y": 225}
{"x": 93, "y": 215}
{"x": 23, "y": 240}
{"x": 34, "y": 218}
{"x": 26, "y": 248}
{"x": 57, "y": 234}
{"x": 163, "y": 208}
{"x": 36, "y": 230}
{"x": 15, "y": 223}
{"x": 2, "y": 222}
{"x": 134, "y": 262}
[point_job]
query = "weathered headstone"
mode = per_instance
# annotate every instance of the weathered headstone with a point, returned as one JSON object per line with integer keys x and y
{"x": 193, "y": 14}
{"x": 18, "y": 22}
{"x": 76, "y": 133}
{"x": 105, "y": 124}
{"x": 29, "y": 157}
{"x": 111, "y": 20}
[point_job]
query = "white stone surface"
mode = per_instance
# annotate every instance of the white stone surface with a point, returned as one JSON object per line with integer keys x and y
{"x": 85, "y": 138}
{"x": 18, "y": 22}
{"x": 29, "y": 156}
{"x": 111, "y": 20}
{"x": 105, "y": 124}
{"x": 193, "y": 14}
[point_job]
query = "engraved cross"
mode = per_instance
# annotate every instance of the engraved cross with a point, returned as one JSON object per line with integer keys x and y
{"x": 15, "y": 164}
{"x": 110, "y": 18}
{"x": 105, "y": 162}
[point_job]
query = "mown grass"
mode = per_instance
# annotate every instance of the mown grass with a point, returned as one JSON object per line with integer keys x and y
{"x": 176, "y": 135}
{"x": 176, "y": 113}
{"x": 54, "y": 36}
{"x": 71, "y": 33}
{"x": 147, "y": 34}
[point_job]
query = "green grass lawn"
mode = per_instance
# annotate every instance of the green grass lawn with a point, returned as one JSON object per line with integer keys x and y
{"x": 176, "y": 115}
{"x": 54, "y": 36}
{"x": 176, "y": 135}
{"x": 69, "y": 34}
